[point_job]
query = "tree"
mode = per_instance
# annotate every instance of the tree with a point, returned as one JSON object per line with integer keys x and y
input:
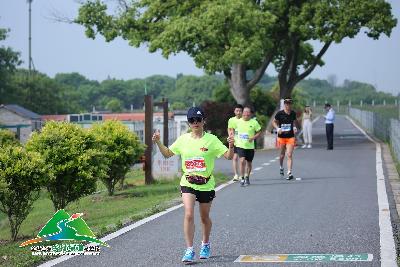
{"x": 230, "y": 37}
{"x": 40, "y": 93}
{"x": 328, "y": 22}
{"x": 192, "y": 89}
{"x": 9, "y": 60}
{"x": 22, "y": 174}
{"x": 178, "y": 106}
{"x": 217, "y": 116}
{"x": 8, "y": 137}
{"x": 121, "y": 148}
{"x": 73, "y": 79}
{"x": 114, "y": 105}
{"x": 71, "y": 154}
{"x": 233, "y": 37}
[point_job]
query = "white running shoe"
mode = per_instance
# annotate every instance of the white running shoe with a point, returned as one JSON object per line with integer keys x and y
{"x": 304, "y": 146}
{"x": 309, "y": 146}
{"x": 235, "y": 178}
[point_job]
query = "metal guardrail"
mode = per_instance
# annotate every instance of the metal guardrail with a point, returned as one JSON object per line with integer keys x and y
{"x": 382, "y": 127}
{"x": 395, "y": 137}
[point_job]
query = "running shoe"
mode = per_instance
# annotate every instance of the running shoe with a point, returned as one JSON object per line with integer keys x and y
{"x": 281, "y": 172}
{"x": 242, "y": 181}
{"x": 290, "y": 176}
{"x": 189, "y": 256}
{"x": 247, "y": 180}
{"x": 304, "y": 146}
{"x": 309, "y": 146}
{"x": 205, "y": 251}
{"x": 235, "y": 178}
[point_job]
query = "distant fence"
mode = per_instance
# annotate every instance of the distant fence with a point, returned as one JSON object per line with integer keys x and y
{"x": 383, "y": 127}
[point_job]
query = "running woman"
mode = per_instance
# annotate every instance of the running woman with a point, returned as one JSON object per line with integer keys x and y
{"x": 248, "y": 130}
{"x": 198, "y": 150}
{"x": 232, "y": 122}
{"x": 284, "y": 124}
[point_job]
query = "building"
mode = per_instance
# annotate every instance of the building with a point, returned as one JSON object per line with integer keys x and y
{"x": 180, "y": 117}
{"x": 19, "y": 120}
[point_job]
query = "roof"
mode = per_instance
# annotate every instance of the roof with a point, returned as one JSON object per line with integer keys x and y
{"x": 23, "y": 112}
{"x": 54, "y": 117}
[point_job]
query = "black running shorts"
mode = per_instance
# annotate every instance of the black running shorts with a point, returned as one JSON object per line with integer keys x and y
{"x": 201, "y": 196}
{"x": 235, "y": 148}
{"x": 248, "y": 154}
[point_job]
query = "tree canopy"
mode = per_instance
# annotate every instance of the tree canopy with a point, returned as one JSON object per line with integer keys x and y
{"x": 9, "y": 60}
{"x": 233, "y": 37}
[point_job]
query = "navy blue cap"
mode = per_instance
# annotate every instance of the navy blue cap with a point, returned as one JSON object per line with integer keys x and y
{"x": 195, "y": 112}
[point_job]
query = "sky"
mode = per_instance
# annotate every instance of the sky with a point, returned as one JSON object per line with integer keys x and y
{"x": 63, "y": 48}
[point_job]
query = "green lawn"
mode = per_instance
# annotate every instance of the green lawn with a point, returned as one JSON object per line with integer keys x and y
{"x": 102, "y": 213}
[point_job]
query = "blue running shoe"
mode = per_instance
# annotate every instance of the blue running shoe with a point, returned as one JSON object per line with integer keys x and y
{"x": 205, "y": 251}
{"x": 189, "y": 256}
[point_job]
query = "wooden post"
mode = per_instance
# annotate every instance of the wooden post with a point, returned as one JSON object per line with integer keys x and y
{"x": 148, "y": 134}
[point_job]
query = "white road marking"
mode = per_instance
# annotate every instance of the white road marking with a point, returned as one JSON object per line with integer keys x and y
{"x": 277, "y": 158}
{"x": 258, "y": 168}
{"x": 272, "y": 160}
{"x": 388, "y": 253}
{"x": 266, "y": 164}
{"x": 298, "y": 178}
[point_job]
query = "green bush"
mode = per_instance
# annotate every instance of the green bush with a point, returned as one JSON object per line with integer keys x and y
{"x": 7, "y": 137}
{"x": 121, "y": 148}
{"x": 21, "y": 175}
{"x": 71, "y": 155}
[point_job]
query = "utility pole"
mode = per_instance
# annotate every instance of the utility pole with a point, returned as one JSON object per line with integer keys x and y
{"x": 30, "y": 36}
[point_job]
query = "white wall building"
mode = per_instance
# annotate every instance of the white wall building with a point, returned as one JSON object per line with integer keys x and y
{"x": 19, "y": 120}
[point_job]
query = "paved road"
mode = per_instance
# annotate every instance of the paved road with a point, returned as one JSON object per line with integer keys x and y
{"x": 333, "y": 209}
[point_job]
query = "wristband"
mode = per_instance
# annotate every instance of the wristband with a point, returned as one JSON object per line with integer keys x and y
{"x": 295, "y": 128}
{"x": 277, "y": 129}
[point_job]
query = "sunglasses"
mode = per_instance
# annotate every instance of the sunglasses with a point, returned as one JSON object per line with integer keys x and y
{"x": 195, "y": 119}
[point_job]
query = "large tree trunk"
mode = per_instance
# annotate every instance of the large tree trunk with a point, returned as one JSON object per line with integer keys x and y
{"x": 238, "y": 85}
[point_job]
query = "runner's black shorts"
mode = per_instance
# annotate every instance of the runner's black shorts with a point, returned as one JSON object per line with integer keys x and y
{"x": 248, "y": 154}
{"x": 235, "y": 149}
{"x": 201, "y": 196}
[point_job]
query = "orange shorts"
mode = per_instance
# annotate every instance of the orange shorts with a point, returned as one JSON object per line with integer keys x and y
{"x": 286, "y": 141}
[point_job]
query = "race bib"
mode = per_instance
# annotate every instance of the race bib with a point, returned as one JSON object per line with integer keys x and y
{"x": 286, "y": 127}
{"x": 244, "y": 136}
{"x": 196, "y": 164}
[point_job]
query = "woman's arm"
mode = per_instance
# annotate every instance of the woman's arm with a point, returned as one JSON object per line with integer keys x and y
{"x": 229, "y": 154}
{"x": 165, "y": 151}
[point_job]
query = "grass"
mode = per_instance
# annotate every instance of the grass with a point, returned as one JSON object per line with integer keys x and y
{"x": 102, "y": 213}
